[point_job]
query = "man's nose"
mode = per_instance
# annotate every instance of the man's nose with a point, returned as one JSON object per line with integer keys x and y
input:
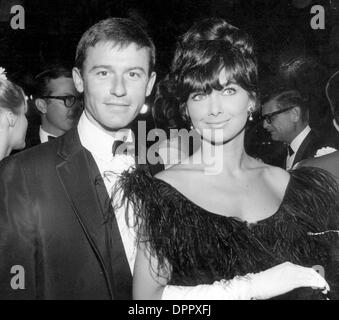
{"x": 118, "y": 87}
{"x": 75, "y": 111}
{"x": 265, "y": 124}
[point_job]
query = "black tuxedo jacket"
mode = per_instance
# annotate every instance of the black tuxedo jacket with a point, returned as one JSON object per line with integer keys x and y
{"x": 52, "y": 223}
{"x": 32, "y": 136}
{"x": 328, "y": 162}
{"x": 309, "y": 147}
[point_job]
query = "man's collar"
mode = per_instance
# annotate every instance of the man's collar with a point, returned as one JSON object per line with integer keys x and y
{"x": 97, "y": 141}
{"x": 298, "y": 140}
{"x": 44, "y": 135}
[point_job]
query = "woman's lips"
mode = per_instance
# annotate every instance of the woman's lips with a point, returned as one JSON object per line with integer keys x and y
{"x": 217, "y": 125}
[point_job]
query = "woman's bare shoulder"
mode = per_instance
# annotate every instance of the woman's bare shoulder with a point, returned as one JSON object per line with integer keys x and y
{"x": 177, "y": 173}
{"x": 277, "y": 178}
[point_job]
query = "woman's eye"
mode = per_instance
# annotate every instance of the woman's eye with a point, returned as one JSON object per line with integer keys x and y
{"x": 229, "y": 91}
{"x": 198, "y": 96}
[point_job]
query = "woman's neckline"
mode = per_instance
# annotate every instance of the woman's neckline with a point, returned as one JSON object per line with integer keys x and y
{"x": 231, "y": 217}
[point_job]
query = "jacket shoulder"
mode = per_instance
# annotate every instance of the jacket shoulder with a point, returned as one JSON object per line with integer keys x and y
{"x": 328, "y": 162}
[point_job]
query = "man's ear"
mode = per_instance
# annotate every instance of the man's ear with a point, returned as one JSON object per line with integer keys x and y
{"x": 150, "y": 83}
{"x": 78, "y": 81}
{"x": 41, "y": 105}
{"x": 296, "y": 114}
{"x": 11, "y": 118}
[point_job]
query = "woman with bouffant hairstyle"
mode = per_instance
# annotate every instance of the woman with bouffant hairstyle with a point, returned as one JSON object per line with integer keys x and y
{"x": 13, "y": 122}
{"x": 241, "y": 230}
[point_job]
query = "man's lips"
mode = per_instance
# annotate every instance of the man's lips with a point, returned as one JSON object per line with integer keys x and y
{"x": 116, "y": 104}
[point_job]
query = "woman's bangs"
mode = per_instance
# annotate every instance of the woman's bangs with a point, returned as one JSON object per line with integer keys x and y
{"x": 204, "y": 67}
{"x": 235, "y": 69}
{"x": 203, "y": 78}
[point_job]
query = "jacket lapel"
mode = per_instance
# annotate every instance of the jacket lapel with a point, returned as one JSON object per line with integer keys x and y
{"x": 74, "y": 174}
{"x": 302, "y": 149}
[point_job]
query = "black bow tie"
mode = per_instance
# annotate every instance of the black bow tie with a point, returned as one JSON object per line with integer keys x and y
{"x": 50, "y": 138}
{"x": 290, "y": 151}
{"x": 119, "y": 147}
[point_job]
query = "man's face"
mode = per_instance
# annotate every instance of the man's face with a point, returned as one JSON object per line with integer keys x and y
{"x": 281, "y": 127}
{"x": 58, "y": 115}
{"x": 115, "y": 81}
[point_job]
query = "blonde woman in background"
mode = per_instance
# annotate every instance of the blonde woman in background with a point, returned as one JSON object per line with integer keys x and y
{"x": 13, "y": 122}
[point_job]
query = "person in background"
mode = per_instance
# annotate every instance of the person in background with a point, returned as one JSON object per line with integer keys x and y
{"x": 329, "y": 160}
{"x": 286, "y": 117}
{"x": 13, "y": 122}
{"x": 57, "y": 102}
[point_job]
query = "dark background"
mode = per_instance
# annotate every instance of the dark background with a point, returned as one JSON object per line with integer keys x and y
{"x": 53, "y": 27}
{"x": 281, "y": 30}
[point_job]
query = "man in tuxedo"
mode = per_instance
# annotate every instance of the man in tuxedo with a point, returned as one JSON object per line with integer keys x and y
{"x": 57, "y": 223}
{"x": 57, "y": 102}
{"x": 329, "y": 162}
{"x": 285, "y": 117}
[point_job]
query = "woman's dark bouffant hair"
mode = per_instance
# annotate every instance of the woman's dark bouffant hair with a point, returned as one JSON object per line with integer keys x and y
{"x": 206, "y": 48}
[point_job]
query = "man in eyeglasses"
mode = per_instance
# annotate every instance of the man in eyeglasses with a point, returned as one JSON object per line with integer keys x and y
{"x": 58, "y": 103}
{"x": 286, "y": 117}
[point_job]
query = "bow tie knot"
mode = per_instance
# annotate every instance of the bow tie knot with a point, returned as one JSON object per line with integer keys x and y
{"x": 121, "y": 147}
{"x": 290, "y": 151}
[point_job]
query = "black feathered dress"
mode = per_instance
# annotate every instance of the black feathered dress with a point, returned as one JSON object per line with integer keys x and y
{"x": 202, "y": 247}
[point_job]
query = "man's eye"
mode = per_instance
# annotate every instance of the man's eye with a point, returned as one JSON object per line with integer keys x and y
{"x": 229, "y": 91}
{"x": 102, "y": 73}
{"x": 133, "y": 74}
{"x": 198, "y": 96}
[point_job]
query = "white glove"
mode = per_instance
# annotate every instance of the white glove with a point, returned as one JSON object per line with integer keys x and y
{"x": 273, "y": 282}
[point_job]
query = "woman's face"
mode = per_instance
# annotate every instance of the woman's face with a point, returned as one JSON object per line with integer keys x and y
{"x": 18, "y": 131}
{"x": 221, "y": 115}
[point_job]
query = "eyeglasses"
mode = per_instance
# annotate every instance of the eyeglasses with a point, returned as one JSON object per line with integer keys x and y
{"x": 69, "y": 101}
{"x": 269, "y": 116}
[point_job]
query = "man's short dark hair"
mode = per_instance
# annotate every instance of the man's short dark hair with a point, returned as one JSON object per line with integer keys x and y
{"x": 50, "y": 72}
{"x": 286, "y": 98}
{"x": 118, "y": 31}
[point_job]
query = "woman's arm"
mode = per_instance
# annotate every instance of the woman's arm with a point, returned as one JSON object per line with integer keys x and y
{"x": 147, "y": 283}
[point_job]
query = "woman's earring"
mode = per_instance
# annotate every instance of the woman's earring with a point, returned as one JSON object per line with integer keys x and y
{"x": 250, "y": 112}
{"x": 251, "y": 116}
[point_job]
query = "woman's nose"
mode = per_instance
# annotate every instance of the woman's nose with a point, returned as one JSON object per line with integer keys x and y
{"x": 215, "y": 104}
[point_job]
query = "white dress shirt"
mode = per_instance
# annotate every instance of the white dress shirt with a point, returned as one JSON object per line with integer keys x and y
{"x": 99, "y": 144}
{"x": 295, "y": 145}
{"x": 44, "y": 135}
